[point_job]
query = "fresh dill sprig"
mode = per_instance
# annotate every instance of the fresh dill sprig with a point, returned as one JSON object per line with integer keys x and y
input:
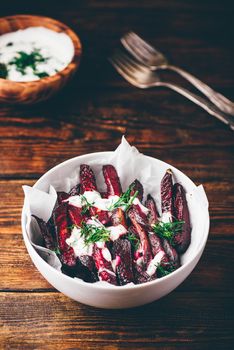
{"x": 85, "y": 205}
{"x": 125, "y": 200}
{"x": 168, "y": 229}
{"x": 92, "y": 233}
{"x": 134, "y": 240}
{"x": 164, "y": 271}
{"x": 128, "y": 205}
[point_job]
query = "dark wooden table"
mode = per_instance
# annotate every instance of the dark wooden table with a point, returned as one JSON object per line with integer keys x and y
{"x": 91, "y": 115}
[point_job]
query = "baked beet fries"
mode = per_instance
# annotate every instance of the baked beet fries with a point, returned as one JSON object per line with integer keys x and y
{"x": 114, "y": 236}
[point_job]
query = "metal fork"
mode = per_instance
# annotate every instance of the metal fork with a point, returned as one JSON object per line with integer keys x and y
{"x": 155, "y": 60}
{"x": 142, "y": 77}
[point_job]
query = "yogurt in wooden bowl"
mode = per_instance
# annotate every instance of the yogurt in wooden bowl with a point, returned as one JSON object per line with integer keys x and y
{"x": 38, "y": 56}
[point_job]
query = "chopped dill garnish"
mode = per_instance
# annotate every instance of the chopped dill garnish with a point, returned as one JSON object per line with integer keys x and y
{"x": 24, "y": 60}
{"x": 167, "y": 229}
{"x": 42, "y": 74}
{"x": 164, "y": 271}
{"x": 92, "y": 233}
{"x": 85, "y": 204}
{"x": 125, "y": 200}
{"x": 134, "y": 240}
{"x": 128, "y": 205}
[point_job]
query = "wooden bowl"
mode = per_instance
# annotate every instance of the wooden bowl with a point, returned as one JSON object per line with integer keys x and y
{"x": 39, "y": 90}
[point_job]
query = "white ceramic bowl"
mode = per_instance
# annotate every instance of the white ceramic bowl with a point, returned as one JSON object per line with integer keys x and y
{"x": 116, "y": 297}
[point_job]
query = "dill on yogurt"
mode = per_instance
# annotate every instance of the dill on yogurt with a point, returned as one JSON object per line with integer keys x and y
{"x": 24, "y": 60}
{"x": 125, "y": 200}
{"x": 93, "y": 234}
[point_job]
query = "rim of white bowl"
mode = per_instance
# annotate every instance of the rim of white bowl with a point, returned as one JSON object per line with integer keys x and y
{"x": 108, "y": 286}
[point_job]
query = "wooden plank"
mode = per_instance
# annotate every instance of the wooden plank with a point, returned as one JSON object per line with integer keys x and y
{"x": 31, "y": 145}
{"x": 116, "y": 110}
{"x": 27, "y": 158}
{"x": 111, "y": 108}
{"x": 50, "y": 320}
{"x": 16, "y": 266}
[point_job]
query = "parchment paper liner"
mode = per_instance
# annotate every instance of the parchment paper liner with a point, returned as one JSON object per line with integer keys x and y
{"x": 130, "y": 164}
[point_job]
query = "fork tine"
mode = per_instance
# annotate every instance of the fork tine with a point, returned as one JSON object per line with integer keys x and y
{"x": 142, "y": 42}
{"x": 121, "y": 66}
{"x": 122, "y": 70}
{"x": 129, "y": 69}
{"x": 141, "y": 50}
{"x": 132, "y": 64}
{"x": 135, "y": 50}
{"x": 121, "y": 60}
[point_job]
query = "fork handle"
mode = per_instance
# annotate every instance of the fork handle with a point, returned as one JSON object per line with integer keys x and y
{"x": 200, "y": 101}
{"x": 218, "y": 99}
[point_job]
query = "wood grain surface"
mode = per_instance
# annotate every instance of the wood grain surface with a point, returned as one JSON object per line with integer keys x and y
{"x": 91, "y": 114}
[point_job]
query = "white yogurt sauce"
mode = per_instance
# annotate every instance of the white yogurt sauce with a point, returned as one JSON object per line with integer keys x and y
{"x": 106, "y": 203}
{"x": 56, "y": 49}
{"x": 106, "y": 254}
{"x": 116, "y": 231}
{"x": 75, "y": 200}
{"x": 93, "y": 198}
{"x": 166, "y": 217}
{"x": 77, "y": 243}
{"x": 151, "y": 269}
